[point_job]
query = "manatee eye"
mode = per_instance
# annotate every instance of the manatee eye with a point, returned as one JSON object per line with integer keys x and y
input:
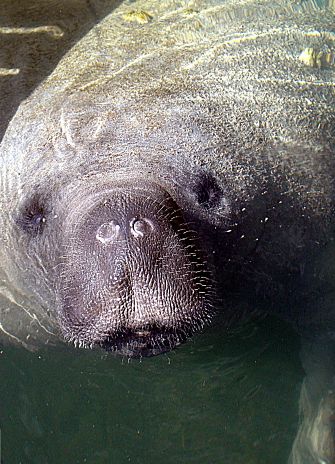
{"x": 207, "y": 191}
{"x": 32, "y": 217}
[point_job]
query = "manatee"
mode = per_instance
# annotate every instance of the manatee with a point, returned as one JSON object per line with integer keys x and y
{"x": 177, "y": 163}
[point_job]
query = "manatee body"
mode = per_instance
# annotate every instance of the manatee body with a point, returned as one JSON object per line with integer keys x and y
{"x": 177, "y": 161}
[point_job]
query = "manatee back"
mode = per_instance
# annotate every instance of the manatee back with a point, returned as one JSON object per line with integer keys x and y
{"x": 243, "y": 88}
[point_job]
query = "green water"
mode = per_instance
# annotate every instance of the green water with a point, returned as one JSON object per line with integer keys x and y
{"x": 224, "y": 397}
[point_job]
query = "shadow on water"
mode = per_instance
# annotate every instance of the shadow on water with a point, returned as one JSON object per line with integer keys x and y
{"x": 217, "y": 399}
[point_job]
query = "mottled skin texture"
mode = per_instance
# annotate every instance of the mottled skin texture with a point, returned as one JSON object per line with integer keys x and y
{"x": 168, "y": 166}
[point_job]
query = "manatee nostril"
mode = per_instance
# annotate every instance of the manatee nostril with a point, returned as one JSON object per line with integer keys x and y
{"x": 141, "y": 227}
{"x": 108, "y": 232}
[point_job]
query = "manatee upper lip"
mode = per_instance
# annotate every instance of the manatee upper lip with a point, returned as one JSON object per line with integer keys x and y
{"x": 142, "y": 333}
{"x": 144, "y": 342}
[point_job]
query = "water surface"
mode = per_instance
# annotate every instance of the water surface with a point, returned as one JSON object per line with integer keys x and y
{"x": 224, "y": 397}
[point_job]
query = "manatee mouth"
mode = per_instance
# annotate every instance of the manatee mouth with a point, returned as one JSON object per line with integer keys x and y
{"x": 147, "y": 342}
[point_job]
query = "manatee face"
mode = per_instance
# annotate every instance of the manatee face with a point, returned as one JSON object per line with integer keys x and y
{"x": 127, "y": 269}
{"x": 132, "y": 278}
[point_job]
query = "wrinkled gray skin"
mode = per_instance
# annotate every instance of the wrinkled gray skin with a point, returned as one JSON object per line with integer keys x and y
{"x": 172, "y": 167}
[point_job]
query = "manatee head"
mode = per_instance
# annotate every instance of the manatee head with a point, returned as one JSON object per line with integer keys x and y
{"x": 124, "y": 262}
{"x": 117, "y": 212}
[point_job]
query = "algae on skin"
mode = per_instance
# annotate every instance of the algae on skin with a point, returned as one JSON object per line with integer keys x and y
{"x": 141, "y": 17}
{"x": 317, "y": 58}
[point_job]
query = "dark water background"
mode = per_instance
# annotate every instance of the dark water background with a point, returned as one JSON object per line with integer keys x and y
{"x": 224, "y": 397}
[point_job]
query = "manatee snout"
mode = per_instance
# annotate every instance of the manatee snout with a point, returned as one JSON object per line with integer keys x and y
{"x": 133, "y": 278}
